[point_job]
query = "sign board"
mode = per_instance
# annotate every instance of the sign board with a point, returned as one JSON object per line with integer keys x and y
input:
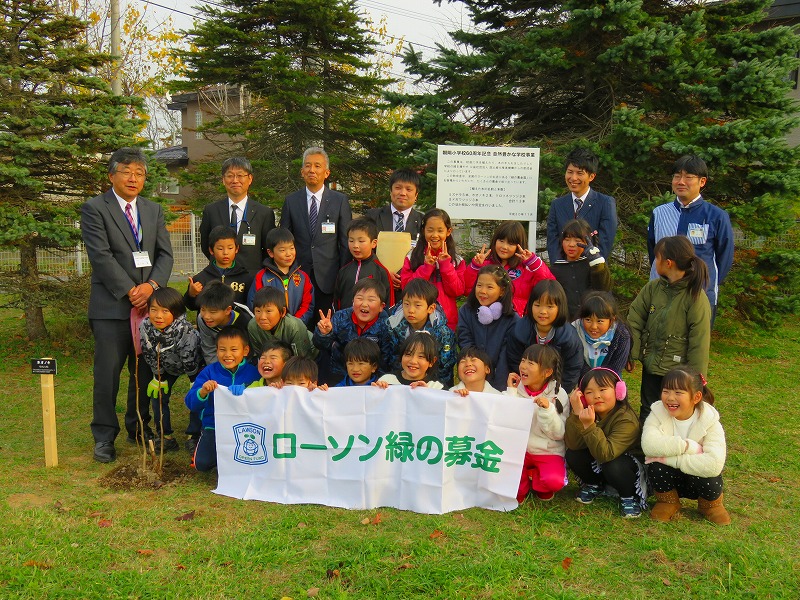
{"x": 488, "y": 182}
{"x": 429, "y": 451}
{"x": 44, "y": 366}
{"x": 393, "y": 246}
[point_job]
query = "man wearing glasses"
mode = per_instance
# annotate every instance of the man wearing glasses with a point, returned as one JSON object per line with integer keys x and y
{"x": 251, "y": 220}
{"x": 707, "y": 226}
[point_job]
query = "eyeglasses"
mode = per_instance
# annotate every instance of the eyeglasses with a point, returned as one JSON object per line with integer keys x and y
{"x": 237, "y": 176}
{"x": 126, "y": 173}
{"x": 685, "y": 177}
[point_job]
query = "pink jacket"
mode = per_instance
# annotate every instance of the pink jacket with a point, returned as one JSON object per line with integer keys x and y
{"x": 447, "y": 276}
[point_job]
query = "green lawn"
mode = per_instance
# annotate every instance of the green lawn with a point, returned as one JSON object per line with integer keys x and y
{"x": 52, "y": 544}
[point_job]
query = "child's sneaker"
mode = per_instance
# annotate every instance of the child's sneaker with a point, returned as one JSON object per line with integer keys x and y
{"x": 631, "y": 509}
{"x": 545, "y": 496}
{"x": 588, "y": 492}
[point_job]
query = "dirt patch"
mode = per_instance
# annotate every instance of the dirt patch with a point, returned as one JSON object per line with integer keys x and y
{"x": 131, "y": 476}
{"x": 27, "y": 501}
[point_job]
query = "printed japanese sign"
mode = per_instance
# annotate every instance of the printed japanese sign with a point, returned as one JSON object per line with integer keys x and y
{"x": 488, "y": 182}
{"x": 428, "y": 451}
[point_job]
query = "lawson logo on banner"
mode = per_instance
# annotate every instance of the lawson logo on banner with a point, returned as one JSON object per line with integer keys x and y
{"x": 428, "y": 451}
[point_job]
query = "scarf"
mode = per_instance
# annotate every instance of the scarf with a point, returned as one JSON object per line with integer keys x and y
{"x": 595, "y": 350}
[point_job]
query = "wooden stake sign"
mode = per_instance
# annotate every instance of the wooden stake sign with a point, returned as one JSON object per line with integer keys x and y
{"x": 46, "y": 368}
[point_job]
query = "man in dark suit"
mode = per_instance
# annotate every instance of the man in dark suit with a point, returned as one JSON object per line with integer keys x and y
{"x": 400, "y": 214}
{"x": 318, "y": 218}
{"x": 597, "y": 209}
{"x": 252, "y": 221}
{"x": 131, "y": 257}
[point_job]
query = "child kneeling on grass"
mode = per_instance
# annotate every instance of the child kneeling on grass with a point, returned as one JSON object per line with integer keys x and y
{"x": 600, "y": 434}
{"x": 684, "y": 443}
{"x": 231, "y": 369}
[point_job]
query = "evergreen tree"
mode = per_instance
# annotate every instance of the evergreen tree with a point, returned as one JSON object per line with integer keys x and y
{"x": 639, "y": 81}
{"x": 56, "y": 119}
{"x": 305, "y": 65}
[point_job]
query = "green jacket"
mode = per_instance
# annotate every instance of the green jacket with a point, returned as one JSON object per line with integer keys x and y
{"x": 669, "y": 328}
{"x": 608, "y": 438}
{"x": 290, "y": 330}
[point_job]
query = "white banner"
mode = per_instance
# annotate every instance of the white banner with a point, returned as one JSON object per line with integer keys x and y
{"x": 423, "y": 450}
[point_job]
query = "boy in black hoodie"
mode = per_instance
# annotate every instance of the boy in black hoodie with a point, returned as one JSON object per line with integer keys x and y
{"x": 362, "y": 239}
{"x": 222, "y": 267}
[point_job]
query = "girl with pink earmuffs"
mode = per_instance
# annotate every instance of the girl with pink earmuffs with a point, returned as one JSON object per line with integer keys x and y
{"x": 599, "y": 435}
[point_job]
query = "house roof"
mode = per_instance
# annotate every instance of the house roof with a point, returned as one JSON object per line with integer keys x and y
{"x": 783, "y": 9}
{"x": 174, "y": 156}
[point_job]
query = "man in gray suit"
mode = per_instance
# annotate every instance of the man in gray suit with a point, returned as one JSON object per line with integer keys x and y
{"x": 131, "y": 256}
{"x": 318, "y": 218}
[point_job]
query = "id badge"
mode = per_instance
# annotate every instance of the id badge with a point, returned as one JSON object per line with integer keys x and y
{"x": 328, "y": 227}
{"x": 697, "y": 233}
{"x": 248, "y": 239}
{"x": 142, "y": 259}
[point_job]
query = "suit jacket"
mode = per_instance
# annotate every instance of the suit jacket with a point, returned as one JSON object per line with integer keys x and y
{"x": 110, "y": 246}
{"x": 260, "y": 220}
{"x": 384, "y": 219}
{"x": 599, "y": 210}
{"x": 322, "y": 254}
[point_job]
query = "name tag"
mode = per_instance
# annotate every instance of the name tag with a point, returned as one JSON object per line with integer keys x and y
{"x": 697, "y": 233}
{"x": 328, "y": 227}
{"x": 142, "y": 259}
{"x": 248, "y": 239}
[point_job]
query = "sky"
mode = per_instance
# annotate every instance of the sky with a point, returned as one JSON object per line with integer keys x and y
{"x": 419, "y": 22}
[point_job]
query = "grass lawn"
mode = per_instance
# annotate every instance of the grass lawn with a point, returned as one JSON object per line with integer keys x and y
{"x": 66, "y": 536}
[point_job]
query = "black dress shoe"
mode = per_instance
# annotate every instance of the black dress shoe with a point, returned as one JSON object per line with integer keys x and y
{"x": 105, "y": 452}
{"x": 148, "y": 435}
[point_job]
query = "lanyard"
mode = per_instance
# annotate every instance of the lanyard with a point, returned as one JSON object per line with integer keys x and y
{"x": 136, "y": 236}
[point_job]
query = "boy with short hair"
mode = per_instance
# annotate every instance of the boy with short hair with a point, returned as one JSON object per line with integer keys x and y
{"x": 231, "y": 369}
{"x": 274, "y": 355}
{"x": 222, "y": 266}
{"x": 271, "y": 321}
{"x": 420, "y": 311}
{"x": 301, "y": 371}
{"x": 282, "y": 271}
{"x": 361, "y": 358}
{"x": 362, "y": 239}
{"x": 366, "y": 318}
{"x": 216, "y": 311}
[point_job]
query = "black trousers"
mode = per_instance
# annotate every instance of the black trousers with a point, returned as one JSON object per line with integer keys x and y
{"x": 620, "y": 473}
{"x": 650, "y": 392}
{"x": 664, "y": 478}
{"x": 113, "y": 347}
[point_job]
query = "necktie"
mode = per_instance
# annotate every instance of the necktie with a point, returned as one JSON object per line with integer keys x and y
{"x": 398, "y": 221}
{"x": 131, "y": 220}
{"x": 312, "y": 215}
{"x": 234, "y": 220}
{"x": 578, "y": 206}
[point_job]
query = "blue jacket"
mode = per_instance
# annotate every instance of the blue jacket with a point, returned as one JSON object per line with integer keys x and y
{"x": 245, "y": 374}
{"x": 491, "y": 338}
{"x": 400, "y": 329}
{"x": 565, "y": 340}
{"x": 709, "y": 229}
{"x": 345, "y": 330}
{"x": 347, "y": 382}
{"x": 599, "y": 210}
{"x": 295, "y": 285}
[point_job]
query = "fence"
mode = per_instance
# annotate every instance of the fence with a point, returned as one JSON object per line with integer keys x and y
{"x": 189, "y": 258}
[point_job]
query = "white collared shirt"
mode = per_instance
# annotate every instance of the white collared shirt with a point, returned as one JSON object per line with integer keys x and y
{"x": 241, "y": 205}
{"x": 317, "y": 195}
{"x": 690, "y": 203}
{"x": 122, "y": 203}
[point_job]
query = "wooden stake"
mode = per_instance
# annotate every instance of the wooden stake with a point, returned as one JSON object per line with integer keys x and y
{"x": 49, "y": 421}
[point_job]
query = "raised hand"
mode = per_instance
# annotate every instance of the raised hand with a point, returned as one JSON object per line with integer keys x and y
{"x": 542, "y": 402}
{"x": 575, "y": 401}
{"x": 429, "y": 258}
{"x": 195, "y": 287}
{"x": 523, "y": 253}
{"x": 324, "y": 325}
{"x": 587, "y": 416}
{"x": 481, "y": 256}
{"x": 443, "y": 255}
{"x": 513, "y": 380}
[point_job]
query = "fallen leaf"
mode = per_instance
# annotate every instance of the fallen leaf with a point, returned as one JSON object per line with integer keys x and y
{"x": 312, "y": 592}
{"x": 518, "y": 552}
{"x": 566, "y": 563}
{"x": 145, "y": 552}
{"x": 436, "y": 534}
{"x": 60, "y": 507}
{"x": 104, "y": 523}
{"x": 365, "y": 521}
{"x": 302, "y": 525}
{"x": 405, "y": 566}
{"x": 180, "y": 567}
{"x": 332, "y": 573}
{"x": 186, "y": 516}
{"x": 226, "y": 563}
{"x": 666, "y": 581}
{"x": 774, "y": 479}
{"x": 38, "y": 565}
{"x": 377, "y": 519}
{"x": 94, "y": 514}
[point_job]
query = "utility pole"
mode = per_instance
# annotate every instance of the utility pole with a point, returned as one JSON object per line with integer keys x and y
{"x": 116, "y": 67}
